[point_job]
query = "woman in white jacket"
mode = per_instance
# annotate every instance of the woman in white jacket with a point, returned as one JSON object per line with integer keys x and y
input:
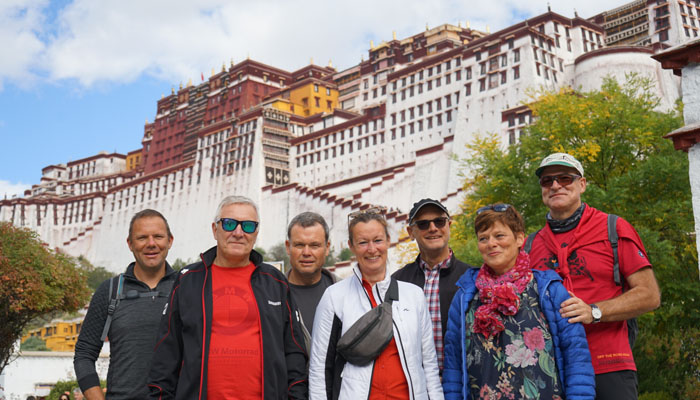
{"x": 407, "y": 368}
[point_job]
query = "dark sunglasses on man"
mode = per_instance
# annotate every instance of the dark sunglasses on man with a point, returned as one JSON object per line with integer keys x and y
{"x": 230, "y": 224}
{"x": 562, "y": 179}
{"x": 424, "y": 224}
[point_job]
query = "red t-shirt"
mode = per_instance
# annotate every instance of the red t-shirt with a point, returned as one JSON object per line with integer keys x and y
{"x": 591, "y": 273}
{"x": 388, "y": 379}
{"x": 235, "y": 356}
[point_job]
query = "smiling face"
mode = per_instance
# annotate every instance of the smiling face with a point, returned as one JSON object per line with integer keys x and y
{"x": 432, "y": 242}
{"x": 499, "y": 247}
{"x": 149, "y": 242}
{"x": 562, "y": 201}
{"x": 307, "y": 249}
{"x": 370, "y": 245}
{"x": 233, "y": 248}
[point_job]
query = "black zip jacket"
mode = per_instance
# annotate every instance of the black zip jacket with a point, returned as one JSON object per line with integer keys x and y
{"x": 448, "y": 282}
{"x": 132, "y": 335}
{"x": 179, "y": 368}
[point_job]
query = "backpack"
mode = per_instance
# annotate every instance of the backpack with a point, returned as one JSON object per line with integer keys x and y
{"x": 632, "y": 327}
{"x": 114, "y": 301}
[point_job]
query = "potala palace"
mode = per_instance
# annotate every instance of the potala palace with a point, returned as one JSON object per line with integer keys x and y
{"x": 387, "y": 131}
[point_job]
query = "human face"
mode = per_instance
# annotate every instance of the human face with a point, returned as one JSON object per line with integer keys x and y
{"x": 562, "y": 201}
{"x": 233, "y": 248}
{"x": 433, "y": 241}
{"x": 370, "y": 244}
{"x": 307, "y": 248}
{"x": 499, "y": 247}
{"x": 150, "y": 243}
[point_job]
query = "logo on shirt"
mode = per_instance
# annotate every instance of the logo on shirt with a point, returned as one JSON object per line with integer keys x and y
{"x": 274, "y": 303}
{"x": 640, "y": 253}
{"x": 165, "y": 309}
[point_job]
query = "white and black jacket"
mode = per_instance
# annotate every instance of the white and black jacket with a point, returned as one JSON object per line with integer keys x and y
{"x": 330, "y": 377}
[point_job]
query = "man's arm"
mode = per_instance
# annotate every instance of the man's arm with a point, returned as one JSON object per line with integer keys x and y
{"x": 643, "y": 296}
{"x": 89, "y": 344}
{"x": 167, "y": 355}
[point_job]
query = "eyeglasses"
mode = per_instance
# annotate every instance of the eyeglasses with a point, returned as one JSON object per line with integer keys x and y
{"x": 494, "y": 207}
{"x": 563, "y": 180}
{"x": 372, "y": 210}
{"x": 424, "y": 224}
{"x": 230, "y": 224}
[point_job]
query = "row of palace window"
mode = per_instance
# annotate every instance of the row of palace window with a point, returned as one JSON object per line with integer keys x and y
{"x": 428, "y": 107}
{"x": 418, "y": 88}
{"x": 374, "y": 125}
{"x": 417, "y": 126}
{"x": 340, "y": 150}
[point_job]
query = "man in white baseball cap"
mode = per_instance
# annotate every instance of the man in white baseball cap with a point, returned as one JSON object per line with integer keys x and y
{"x": 609, "y": 285}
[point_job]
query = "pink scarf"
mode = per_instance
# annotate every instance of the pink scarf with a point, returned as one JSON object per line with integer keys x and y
{"x": 499, "y": 295}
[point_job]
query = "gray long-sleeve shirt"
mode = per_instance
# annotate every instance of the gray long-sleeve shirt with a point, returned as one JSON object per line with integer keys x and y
{"x": 132, "y": 336}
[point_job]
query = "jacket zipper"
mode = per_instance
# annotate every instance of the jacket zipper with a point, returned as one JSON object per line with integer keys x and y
{"x": 405, "y": 361}
{"x": 204, "y": 328}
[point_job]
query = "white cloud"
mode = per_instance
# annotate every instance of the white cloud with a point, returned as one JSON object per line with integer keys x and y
{"x": 9, "y": 189}
{"x": 175, "y": 40}
{"x": 20, "y": 25}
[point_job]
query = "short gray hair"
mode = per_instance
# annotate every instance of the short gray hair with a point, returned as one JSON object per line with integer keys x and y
{"x": 228, "y": 200}
{"x": 305, "y": 220}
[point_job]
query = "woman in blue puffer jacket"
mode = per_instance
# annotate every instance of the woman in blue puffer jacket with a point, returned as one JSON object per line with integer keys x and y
{"x": 505, "y": 337}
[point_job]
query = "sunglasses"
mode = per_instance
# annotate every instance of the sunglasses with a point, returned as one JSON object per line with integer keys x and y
{"x": 230, "y": 224}
{"x": 494, "y": 207}
{"x": 424, "y": 224}
{"x": 563, "y": 180}
{"x": 371, "y": 210}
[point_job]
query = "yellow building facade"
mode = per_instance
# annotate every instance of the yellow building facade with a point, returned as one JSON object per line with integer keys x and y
{"x": 59, "y": 335}
{"x": 308, "y": 98}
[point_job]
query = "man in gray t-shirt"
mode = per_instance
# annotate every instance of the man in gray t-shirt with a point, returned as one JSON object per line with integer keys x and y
{"x": 308, "y": 245}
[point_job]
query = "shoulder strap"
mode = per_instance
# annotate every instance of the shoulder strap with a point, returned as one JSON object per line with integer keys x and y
{"x": 612, "y": 237}
{"x": 113, "y": 303}
{"x": 528, "y": 242}
{"x": 393, "y": 292}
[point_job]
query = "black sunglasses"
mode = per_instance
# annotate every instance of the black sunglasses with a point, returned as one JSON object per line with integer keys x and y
{"x": 563, "y": 179}
{"x": 494, "y": 207}
{"x": 230, "y": 224}
{"x": 424, "y": 224}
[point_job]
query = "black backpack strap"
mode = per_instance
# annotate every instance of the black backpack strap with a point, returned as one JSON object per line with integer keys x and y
{"x": 528, "y": 242}
{"x": 392, "y": 293}
{"x": 612, "y": 237}
{"x": 113, "y": 303}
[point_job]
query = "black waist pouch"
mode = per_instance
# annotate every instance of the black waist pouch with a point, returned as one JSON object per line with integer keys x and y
{"x": 369, "y": 335}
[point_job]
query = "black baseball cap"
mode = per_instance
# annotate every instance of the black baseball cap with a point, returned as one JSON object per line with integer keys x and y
{"x": 425, "y": 202}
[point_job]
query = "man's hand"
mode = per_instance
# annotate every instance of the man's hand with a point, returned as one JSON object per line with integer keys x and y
{"x": 576, "y": 310}
{"x": 643, "y": 296}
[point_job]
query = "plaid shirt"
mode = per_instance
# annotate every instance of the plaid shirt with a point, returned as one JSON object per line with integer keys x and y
{"x": 432, "y": 295}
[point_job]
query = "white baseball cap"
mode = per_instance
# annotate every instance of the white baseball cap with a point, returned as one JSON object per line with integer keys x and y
{"x": 559, "y": 159}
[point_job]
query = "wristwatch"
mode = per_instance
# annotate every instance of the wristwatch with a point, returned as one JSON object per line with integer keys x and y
{"x": 596, "y": 313}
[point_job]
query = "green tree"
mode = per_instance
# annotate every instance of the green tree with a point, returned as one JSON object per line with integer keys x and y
{"x": 345, "y": 254}
{"x": 278, "y": 252}
{"x": 616, "y": 132}
{"x": 95, "y": 275}
{"x": 33, "y": 343}
{"x": 179, "y": 263}
{"x": 33, "y": 281}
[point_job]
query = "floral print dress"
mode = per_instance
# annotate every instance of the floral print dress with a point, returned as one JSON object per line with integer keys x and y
{"x": 519, "y": 362}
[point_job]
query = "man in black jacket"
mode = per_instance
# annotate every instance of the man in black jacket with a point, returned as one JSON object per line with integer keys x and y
{"x": 436, "y": 270}
{"x": 229, "y": 330}
{"x": 136, "y": 299}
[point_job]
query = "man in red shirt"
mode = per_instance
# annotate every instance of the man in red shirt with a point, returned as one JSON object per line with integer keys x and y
{"x": 574, "y": 242}
{"x": 229, "y": 330}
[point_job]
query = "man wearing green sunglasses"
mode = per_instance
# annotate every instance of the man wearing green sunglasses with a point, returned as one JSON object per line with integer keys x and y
{"x": 229, "y": 330}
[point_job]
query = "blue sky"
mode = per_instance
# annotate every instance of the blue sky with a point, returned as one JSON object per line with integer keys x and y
{"x": 82, "y": 76}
